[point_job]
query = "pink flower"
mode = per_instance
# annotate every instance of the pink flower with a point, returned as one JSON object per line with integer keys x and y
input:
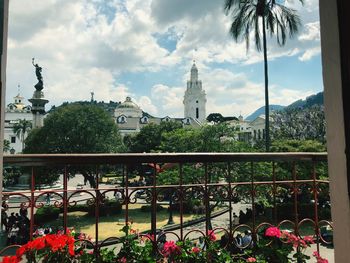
{"x": 170, "y": 248}
{"x": 273, "y": 232}
{"x": 211, "y": 235}
{"x": 251, "y": 260}
{"x": 319, "y": 258}
{"x": 122, "y": 260}
{"x": 309, "y": 239}
{"x": 196, "y": 250}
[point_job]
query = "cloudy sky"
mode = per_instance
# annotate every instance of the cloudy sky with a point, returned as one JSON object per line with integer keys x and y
{"x": 144, "y": 49}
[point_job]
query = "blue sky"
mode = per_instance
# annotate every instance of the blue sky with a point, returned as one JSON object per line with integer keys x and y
{"x": 144, "y": 49}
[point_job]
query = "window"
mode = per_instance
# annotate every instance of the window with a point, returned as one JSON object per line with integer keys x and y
{"x": 144, "y": 120}
{"x": 197, "y": 113}
{"x": 121, "y": 119}
{"x": 13, "y": 139}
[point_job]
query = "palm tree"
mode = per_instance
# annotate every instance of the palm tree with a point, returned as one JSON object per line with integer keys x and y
{"x": 21, "y": 128}
{"x": 260, "y": 17}
{"x": 6, "y": 146}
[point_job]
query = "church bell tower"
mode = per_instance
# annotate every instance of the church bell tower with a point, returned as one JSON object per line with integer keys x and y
{"x": 195, "y": 97}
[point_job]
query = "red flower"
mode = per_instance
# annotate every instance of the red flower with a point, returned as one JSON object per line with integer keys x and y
{"x": 10, "y": 259}
{"x": 273, "y": 232}
{"x": 251, "y": 260}
{"x": 20, "y": 251}
{"x": 122, "y": 260}
{"x": 170, "y": 248}
{"x": 211, "y": 235}
{"x": 196, "y": 250}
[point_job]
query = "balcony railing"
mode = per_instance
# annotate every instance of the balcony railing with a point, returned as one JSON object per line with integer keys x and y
{"x": 245, "y": 191}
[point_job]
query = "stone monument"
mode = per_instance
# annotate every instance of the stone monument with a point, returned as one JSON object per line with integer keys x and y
{"x": 38, "y": 101}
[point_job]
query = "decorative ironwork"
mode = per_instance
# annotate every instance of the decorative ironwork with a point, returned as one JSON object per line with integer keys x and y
{"x": 226, "y": 181}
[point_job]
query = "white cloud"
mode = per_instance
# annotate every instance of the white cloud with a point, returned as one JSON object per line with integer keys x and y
{"x": 169, "y": 100}
{"x": 83, "y": 48}
{"x": 309, "y": 53}
{"x": 147, "y": 105}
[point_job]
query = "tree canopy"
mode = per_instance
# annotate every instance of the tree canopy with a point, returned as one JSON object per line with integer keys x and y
{"x": 150, "y": 136}
{"x": 76, "y": 128}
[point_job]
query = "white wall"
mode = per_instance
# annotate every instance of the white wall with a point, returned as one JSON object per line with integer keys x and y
{"x": 335, "y": 129}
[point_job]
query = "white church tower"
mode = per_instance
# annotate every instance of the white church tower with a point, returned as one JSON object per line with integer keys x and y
{"x": 195, "y": 97}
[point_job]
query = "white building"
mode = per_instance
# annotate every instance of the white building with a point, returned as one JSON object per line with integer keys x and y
{"x": 130, "y": 118}
{"x": 195, "y": 98}
{"x": 15, "y": 111}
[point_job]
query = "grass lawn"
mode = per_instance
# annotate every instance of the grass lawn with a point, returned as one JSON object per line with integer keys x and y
{"x": 109, "y": 226}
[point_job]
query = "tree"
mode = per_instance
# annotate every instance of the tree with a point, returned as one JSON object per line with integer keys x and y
{"x": 149, "y": 137}
{"x": 299, "y": 124}
{"x": 76, "y": 128}
{"x": 21, "y": 128}
{"x": 215, "y": 117}
{"x": 267, "y": 16}
{"x": 6, "y": 146}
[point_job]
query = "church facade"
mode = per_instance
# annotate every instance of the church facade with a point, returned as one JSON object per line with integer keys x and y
{"x": 14, "y": 112}
{"x": 195, "y": 98}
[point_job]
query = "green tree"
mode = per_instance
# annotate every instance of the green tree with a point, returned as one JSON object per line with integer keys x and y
{"x": 6, "y": 146}
{"x": 215, "y": 117}
{"x": 21, "y": 128}
{"x": 76, "y": 128}
{"x": 149, "y": 137}
{"x": 299, "y": 124}
{"x": 262, "y": 17}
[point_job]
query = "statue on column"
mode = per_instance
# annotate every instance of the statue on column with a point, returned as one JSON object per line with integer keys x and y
{"x": 40, "y": 85}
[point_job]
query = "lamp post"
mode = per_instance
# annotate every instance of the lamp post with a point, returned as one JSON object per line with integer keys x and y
{"x": 171, "y": 220}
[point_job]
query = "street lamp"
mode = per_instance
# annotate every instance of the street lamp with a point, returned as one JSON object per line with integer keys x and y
{"x": 171, "y": 220}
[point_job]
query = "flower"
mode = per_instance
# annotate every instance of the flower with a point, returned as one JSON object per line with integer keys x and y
{"x": 122, "y": 260}
{"x": 10, "y": 259}
{"x": 211, "y": 235}
{"x": 251, "y": 259}
{"x": 170, "y": 248}
{"x": 273, "y": 232}
{"x": 309, "y": 239}
{"x": 196, "y": 250}
{"x": 319, "y": 258}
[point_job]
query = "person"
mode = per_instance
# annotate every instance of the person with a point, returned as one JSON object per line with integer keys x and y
{"x": 237, "y": 246}
{"x": 117, "y": 195}
{"x": 224, "y": 240}
{"x": 13, "y": 234}
{"x": 247, "y": 239}
{"x": 201, "y": 243}
{"x": 4, "y": 219}
{"x": 48, "y": 201}
{"x": 11, "y": 220}
{"x": 23, "y": 211}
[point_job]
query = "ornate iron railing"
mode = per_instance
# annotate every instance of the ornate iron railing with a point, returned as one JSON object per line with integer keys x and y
{"x": 289, "y": 190}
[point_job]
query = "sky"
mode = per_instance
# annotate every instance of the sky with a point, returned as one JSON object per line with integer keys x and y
{"x": 145, "y": 49}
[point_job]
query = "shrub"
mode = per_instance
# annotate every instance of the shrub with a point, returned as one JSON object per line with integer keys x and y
{"x": 109, "y": 207}
{"x": 46, "y": 214}
{"x": 148, "y": 208}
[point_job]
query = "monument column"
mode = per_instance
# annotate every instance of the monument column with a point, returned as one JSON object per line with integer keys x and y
{"x": 38, "y": 101}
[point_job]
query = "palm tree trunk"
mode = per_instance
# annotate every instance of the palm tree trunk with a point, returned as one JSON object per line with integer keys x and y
{"x": 267, "y": 107}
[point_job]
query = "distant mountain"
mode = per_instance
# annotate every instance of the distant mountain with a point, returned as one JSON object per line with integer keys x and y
{"x": 261, "y": 111}
{"x": 311, "y": 100}
{"x": 316, "y": 99}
